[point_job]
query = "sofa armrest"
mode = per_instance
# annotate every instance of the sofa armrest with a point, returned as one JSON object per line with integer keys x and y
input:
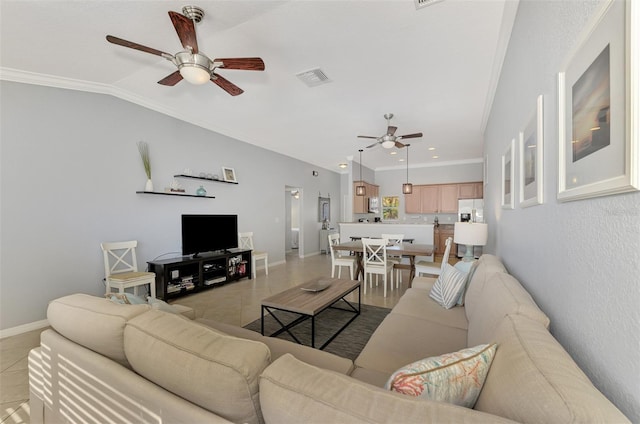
{"x": 279, "y": 347}
{"x": 425, "y": 283}
{"x": 292, "y": 391}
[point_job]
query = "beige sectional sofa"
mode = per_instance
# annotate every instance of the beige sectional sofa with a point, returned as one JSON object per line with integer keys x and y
{"x": 105, "y": 362}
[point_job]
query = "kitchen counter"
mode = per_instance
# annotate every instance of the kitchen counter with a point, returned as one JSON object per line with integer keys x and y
{"x": 420, "y": 233}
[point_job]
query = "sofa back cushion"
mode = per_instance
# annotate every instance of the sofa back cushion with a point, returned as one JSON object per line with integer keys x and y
{"x": 502, "y": 295}
{"x": 207, "y": 367}
{"x": 487, "y": 265}
{"x": 292, "y": 392}
{"x": 533, "y": 380}
{"x": 94, "y": 322}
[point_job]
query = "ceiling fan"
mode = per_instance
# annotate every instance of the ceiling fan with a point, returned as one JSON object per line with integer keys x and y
{"x": 390, "y": 139}
{"x": 193, "y": 65}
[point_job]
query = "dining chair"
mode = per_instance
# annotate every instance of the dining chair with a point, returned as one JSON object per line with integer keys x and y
{"x": 245, "y": 241}
{"x": 435, "y": 268}
{"x": 338, "y": 260}
{"x": 398, "y": 265}
{"x": 121, "y": 268}
{"x": 376, "y": 262}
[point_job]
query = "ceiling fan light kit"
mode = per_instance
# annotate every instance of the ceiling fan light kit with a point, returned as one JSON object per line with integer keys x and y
{"x": 193, "y": 66}
{"x": 390, "y": 140}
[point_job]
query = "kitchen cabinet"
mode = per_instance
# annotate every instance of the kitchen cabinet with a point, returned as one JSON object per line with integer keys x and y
{"x": 439, "y": 198}
{"x": 441, "y": 233}
{"x": 361, "y": 203}
{"x": 470, "y": 191}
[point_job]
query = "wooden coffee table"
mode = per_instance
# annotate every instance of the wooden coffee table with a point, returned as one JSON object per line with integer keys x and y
{"x": 308, "y": 304}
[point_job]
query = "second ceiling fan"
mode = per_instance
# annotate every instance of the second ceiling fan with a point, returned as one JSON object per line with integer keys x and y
{"x": 390, "y": 140}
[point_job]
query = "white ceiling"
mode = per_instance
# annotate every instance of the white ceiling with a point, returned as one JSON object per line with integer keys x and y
{"x": 434, "y": 68}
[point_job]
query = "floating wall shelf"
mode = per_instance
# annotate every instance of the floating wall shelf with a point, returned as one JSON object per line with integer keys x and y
{"x": 175, "y": 194}
{"x": 204, "y": 179}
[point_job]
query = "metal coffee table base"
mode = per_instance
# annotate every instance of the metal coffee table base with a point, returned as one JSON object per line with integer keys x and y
{"x": 303, "y": 317}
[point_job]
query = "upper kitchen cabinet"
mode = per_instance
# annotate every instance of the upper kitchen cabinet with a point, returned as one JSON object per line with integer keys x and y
{"x": 437, "y": 198}
{"x": 361, "y": 203}
{"x": 470, "y": 191}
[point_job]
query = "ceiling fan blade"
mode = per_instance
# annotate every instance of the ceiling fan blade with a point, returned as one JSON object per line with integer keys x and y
{"x": 400, "y": 145}
{"x": 171, "y": 79}
{"x": 367, "y": 136}
{"x": 226, "y": 85}
{"x": 372, "y": 145}
{"x": 186, "y": 31}
{"x": 244, "y": 63}
{"x": 391, "y": 130}
{"x": 416, "y": 135}
{"x": 132, "y": 45}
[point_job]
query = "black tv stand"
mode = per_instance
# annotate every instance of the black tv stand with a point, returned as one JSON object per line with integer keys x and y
{"x": 180, "y": 276}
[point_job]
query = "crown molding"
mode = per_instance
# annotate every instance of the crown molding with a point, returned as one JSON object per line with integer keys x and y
{"x": 431, "y": 165}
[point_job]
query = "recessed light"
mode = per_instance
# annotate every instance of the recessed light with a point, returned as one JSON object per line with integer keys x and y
{"x": 342, "y": 165}
{"x": 393, "y": 153}
{"x": 401, "y": 160}
{"x": 432, "y": 148}
{"x": 435, "y": 156}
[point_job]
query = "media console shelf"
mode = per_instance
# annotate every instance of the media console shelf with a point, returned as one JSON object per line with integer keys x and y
{"x": 177, "y": 277}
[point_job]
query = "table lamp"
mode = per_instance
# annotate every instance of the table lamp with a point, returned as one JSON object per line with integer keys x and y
{"x": 470, "y": 234}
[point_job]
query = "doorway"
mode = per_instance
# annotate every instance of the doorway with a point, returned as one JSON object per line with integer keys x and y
{"x": 293, "y": 222}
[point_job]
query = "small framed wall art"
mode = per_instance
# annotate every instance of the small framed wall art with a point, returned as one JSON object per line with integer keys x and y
{"x": 531, "y": 159}
{"x": 229, "y": 174}
{"x": 598, "y": 107}
{"x": 507, "y": 176}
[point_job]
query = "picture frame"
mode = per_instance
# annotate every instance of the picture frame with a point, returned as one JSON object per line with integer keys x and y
{"x": 324, "y": 209}
{"x": 229, "y": 175}
{"x": 597, "y": 94}
{"x": 485, "y": 170}
{"x": 508, "y": 196}
{"x": 531, "y": 149}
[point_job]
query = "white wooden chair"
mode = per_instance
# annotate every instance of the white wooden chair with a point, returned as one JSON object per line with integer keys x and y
{"x": 337, "y": 259}
{"x": 121, "y": 268}
{"x": 396, "y": 239}
{"x": 376, "y": 262}
{"x": 245, "y": 241}
{"x": 435, "y": 268}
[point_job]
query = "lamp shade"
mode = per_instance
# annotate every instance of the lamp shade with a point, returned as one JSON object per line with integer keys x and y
{"x": 470, "y": 233}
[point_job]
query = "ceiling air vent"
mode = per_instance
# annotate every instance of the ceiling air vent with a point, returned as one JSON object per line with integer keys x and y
{"x": 313, "y": 77}
{"x": 424, "y": 3}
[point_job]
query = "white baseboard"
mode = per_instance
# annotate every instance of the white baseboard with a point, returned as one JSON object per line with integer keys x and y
{"x": 24, "y": 328}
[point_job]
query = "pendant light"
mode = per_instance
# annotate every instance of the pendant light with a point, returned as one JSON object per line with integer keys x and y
{"x": 407, "y": 188}
{"x": 360, "y": 189}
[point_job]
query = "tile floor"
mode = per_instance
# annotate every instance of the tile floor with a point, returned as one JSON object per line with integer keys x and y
{"x": 237, "y": 303}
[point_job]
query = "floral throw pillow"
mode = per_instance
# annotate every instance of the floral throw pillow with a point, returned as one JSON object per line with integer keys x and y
{"x": 455, "y": 378}
{"x": 448, "y": 287}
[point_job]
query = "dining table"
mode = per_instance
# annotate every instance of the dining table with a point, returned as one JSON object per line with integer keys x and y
{"x": 410, "y": 250}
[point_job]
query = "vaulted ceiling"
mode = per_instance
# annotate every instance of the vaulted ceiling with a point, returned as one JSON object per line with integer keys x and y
{"x": 435, "y": 68}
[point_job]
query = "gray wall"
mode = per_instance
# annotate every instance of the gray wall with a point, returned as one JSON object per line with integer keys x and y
{"x": 579, "y": 260}
{"x": 69, "y": 172}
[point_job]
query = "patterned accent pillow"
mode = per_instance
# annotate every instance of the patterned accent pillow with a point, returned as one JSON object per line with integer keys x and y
{"x": 455, "y": 378}
{"x": 448, "y": 287}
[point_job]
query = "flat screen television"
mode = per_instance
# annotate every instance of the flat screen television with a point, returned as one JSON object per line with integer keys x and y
{"x": 208, "y": 233}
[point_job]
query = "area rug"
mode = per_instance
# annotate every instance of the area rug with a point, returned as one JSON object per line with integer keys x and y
{"x": 348, "y": 344}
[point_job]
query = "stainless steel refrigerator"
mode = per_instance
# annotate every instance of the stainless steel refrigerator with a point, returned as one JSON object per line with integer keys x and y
{"x": 470, "y": 210}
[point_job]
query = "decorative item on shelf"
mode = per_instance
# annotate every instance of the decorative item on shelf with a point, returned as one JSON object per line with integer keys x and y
{"x": 215, "y": 177}
{"x": 360, "y": 189}
{"x": 187, "y": 172}
{"x": 407, "y": 188}
{"x": 201, "y": 191}
{"x": 176, "y": 187}
{"x": 202, "y": 175}
{"x": 143, "y": 148}
{"x": 229, "y": 174}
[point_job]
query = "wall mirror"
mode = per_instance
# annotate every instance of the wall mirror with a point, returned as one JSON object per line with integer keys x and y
{"x": 324, "y": 209}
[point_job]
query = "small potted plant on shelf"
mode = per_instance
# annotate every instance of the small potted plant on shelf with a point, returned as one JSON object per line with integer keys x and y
{"x": 143, "y": 148}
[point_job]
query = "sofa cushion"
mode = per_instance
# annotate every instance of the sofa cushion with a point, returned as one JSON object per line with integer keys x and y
{"x": 448, "y": 287}
{"x": 94, "y": 322}
{"x": 455, "y": 377}
{"x": 487, "y": 265}
{"x": 402, "y": 339}
{"x": 502, "y": 295}
{"x": 279, "y": 347}
{"x": 534, "y": 380}
{"x": 292, "y": 391}
{"x": 417, "y": 303}
{"x": 205, "y": 366}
